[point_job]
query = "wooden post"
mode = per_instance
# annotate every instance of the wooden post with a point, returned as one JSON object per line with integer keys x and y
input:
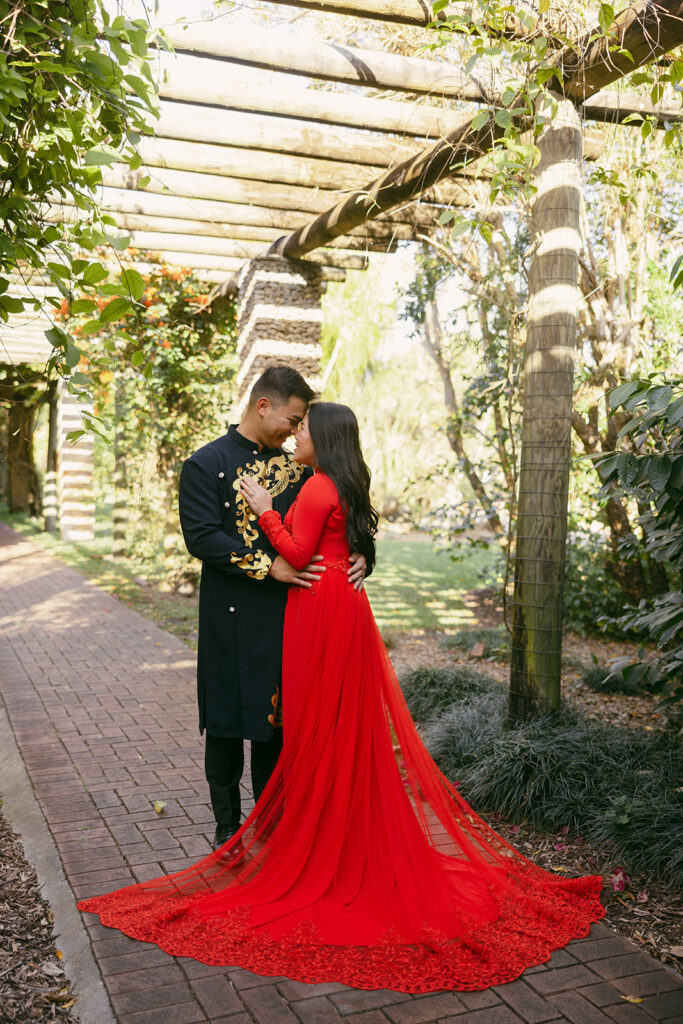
{"x": 50, "y": 487}
{"x": 546, "y": 421}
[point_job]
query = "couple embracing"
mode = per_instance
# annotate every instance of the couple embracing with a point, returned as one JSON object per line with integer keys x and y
{"x": 360, "y": 862}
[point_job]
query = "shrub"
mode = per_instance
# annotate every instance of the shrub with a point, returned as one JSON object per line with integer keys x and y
{"x": 428, "y": 690}
{"x": 606, "y": 680}
{"x": 617, "y": 787}
{"x": 496, "y": 642}
{"x": 589, "y": 591}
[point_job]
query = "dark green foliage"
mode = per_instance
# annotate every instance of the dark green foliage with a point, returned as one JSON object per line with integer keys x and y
{"x": 496, "y": 642}
{"x": 589, "y": 592}
{"x": 652, "y": 473}
{"x": 618, "y": 788}
{"x": 604, "y": 680}
{"x": 428, "y": 690}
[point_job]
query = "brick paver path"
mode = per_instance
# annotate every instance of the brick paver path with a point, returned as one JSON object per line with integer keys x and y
{"x": 102, "y": 705}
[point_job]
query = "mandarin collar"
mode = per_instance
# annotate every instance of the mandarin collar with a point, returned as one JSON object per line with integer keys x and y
{"x": 244, "y": 442}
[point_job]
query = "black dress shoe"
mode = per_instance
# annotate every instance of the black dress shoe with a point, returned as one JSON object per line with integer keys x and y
{"x": 223, "y": 833}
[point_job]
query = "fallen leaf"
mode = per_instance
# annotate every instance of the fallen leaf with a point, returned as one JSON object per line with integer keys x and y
{"x": 59, "y": 954}
{"x": 676, "y": 951}
{"x": 632, "y": 999}
{"x": 478, "y": 650}
{"x": 159, "y": 806}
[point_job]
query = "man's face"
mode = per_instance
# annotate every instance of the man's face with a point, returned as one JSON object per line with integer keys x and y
{"x": 278, "y": 422}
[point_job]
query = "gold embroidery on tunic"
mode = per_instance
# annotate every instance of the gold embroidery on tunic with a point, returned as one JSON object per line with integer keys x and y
{"x": 257, "y": 563}
{"x": 275, "y": 475}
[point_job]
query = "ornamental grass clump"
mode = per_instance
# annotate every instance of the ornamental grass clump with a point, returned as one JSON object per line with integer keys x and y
{"x": 617, "y": 787}
{"x": 429, "y": 690}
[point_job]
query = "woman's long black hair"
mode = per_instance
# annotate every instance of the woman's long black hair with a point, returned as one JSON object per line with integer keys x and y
{"x": 334, "y": 432}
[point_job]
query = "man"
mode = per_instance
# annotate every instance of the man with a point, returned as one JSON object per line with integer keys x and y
{"x": 243, "y": 588}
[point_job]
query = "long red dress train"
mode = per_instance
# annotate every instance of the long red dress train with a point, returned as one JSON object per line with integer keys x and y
{"x": 360, "y": 863}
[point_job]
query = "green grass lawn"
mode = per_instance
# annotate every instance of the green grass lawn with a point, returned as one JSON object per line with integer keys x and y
{"x": 414, "y": 585}
{"x": 417, "y": 586}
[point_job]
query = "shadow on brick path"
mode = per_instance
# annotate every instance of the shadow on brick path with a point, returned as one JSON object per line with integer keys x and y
{"x": 102, "y": 706}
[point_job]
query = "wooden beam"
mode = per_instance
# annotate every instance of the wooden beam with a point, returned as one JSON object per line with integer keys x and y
{"x": 153, "y": 241}
{"x": 218, "y": 83}
{"x": 284, "y": 51}
{"x": 260, "y": 193}
{"x": 229, "y": 215}
{"x": 639, "y": 34}
{"x": 616, "y": 107}
{"x": 202, "y": 81}
{"x": 634, "y": 27}
{"x": 193, "y": 122}
{"x": 401, "y": 12}
{"x": 420, "y": 13}
{"x": 236, "y": 233}
{"x": 258, "y": 165}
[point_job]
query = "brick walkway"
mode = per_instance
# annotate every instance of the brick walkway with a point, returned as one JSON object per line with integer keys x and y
{"x": 102, "y": 706}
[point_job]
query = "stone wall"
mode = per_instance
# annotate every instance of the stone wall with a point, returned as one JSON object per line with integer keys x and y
{"x": 279, "y": 320}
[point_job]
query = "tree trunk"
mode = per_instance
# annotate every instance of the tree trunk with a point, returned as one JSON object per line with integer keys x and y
{"x": 50, "y": 505}
{"x": 546, "y": 422}
{"x": 24, "y": 487}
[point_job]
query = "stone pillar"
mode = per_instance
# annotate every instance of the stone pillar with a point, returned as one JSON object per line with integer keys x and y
{"x": 279, "y": 320}
{"x": 74, "y": 473}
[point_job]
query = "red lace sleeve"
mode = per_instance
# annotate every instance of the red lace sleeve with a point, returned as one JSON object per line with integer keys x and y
{"x": 297, "y": 540}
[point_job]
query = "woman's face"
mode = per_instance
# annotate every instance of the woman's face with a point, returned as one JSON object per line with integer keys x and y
{"x": 303, "y": 445}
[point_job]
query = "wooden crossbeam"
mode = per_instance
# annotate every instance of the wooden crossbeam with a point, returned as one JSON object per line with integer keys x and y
{"x": 384, "y": 241}
{"x": 201, "y": 211}
{"x": 201, "y": 79}
{"x": 257, "y": 165}
{"x": 193, "y": 122}
{"x": 332, "y": 62}
{"x": 261, "y": 193}
{"x": 219, "y": 249}
{"x": 204, "y": 82}
{"x": 646, "y": 29}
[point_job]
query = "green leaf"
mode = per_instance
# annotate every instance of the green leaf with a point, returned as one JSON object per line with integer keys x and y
{"x": 82, "y": 306}
{"x": 503, "y": 118}
{"x": 101, "y": 156}
{"x": 73, "y": 355}
{"x": 137, "y": 357}
{"x": 480, "y": 120}
{"x": 93, "y": 273}
{"x": 134, "y": 284}
{"x": 56, "y": 337}
{"x": 605, "y": 16}
{"x": 11, "y": 304}
{"x": 676, "y": 277}
{"x": 120, "y": 243}
{"x": 621, "y": 393}
{"x": 659, "y": 471}
{"x": 446, "y": 217}
{"x": 543, "y": 6}
{"x": 115, "y": 310}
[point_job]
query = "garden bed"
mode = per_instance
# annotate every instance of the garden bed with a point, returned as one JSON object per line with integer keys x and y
{"x": 33, "y": 985}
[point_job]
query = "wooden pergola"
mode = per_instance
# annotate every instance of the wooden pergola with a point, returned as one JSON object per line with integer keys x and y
{"x": 235, "y": 173}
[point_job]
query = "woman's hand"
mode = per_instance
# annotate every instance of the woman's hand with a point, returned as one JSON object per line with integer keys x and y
{"x": 257, "y": 496}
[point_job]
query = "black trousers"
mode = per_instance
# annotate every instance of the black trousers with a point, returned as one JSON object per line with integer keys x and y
{"x": 224, "y": 764}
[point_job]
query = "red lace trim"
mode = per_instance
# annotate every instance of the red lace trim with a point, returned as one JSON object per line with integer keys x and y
{"x": 541, "y": 919}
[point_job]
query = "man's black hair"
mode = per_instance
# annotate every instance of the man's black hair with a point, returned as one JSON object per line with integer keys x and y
{"x": 279, "y": 384}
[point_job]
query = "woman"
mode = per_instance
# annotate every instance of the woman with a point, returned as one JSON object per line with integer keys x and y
{"x": 360, "y": 863}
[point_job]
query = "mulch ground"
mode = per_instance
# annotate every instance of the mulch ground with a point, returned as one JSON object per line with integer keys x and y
{"x": 33, "y": 985}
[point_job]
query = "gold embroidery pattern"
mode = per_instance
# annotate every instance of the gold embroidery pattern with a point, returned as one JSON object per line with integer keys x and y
{"x": 275, "y": 475}
{"x": 276, "y": 718}
{"x": 257, "y": 563}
